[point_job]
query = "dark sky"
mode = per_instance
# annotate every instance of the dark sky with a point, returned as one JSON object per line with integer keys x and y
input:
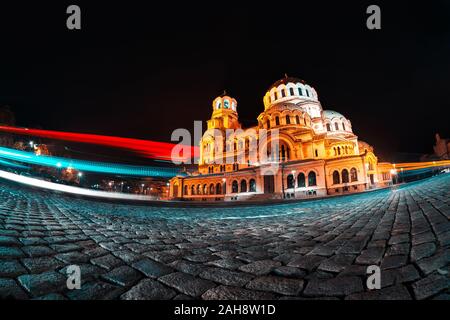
{"x": 142, "y": 71}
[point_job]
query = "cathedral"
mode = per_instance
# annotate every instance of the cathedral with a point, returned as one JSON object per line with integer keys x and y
{"x": 317, "y": 153}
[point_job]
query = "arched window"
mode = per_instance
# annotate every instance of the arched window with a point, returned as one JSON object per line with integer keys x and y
{"x": 297, "y": 119}
{"x": 328, "y": 127}
{"x": 284, "y": 153}
{"x": 199, "y": 189}
{"x": 185, "y": 190}
{"x": 218, "y": 188}
{"x": 277, "y": 120}
{"x": 291, "y": 91}
{"x": 205, "y": 189}
{"x": 307, "y": 92}
{"x": 300, "y": 91}
{"x": 288, "y": 119}
{"x": 192, "y": 190}
{"x": 243, "y": 186}
{"x": 346, "y": 149}
{"x": 336, "y": 177}
{"x": 345, "y": 176}
{"x": 301, "y": 180}
{"x": 268, "y": 124}
{"x": 275, "y": 95}
{"x": 283, "y": 93}
{"x": 252, "y": 184}
{"x": 234, "y": 187}
{"x": 336, "y": 126}
{"x": 290, "y": 181}
{"x": 312, "y": 181}
{"x": 335, "y": 151}
{"x": 343, "y": 126}
{"x": 211, "y": 188}
{"x": 353, "y": 174}
{"x": 339, "y": 150}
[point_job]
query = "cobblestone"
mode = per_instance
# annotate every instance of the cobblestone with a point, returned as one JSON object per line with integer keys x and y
{"x": 304, "y": 250}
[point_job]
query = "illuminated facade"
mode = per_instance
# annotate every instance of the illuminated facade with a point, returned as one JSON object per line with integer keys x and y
{"x": 317, "y": 155}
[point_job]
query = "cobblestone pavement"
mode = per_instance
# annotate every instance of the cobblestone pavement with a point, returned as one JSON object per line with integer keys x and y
{"x": 309, "y": 250}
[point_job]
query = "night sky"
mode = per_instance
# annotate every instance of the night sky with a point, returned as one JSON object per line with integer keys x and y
{"x": 142, "y": 71}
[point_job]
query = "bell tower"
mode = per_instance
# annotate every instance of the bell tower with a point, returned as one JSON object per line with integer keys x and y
{"x": 224, "y": 114}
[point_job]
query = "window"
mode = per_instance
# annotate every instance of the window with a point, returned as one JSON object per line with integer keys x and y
{"x": 277, "y": 120}
{"x": 283, "y": 93}
{"x": 290, "y": 181}
{"x": 336, "y": 178}
{"x": 297, "y": 119}
{"x": 192, "y": 190}
{"x": 185, "y": 190}
{"x": 354, "y": 174}
{"x": 291, "y": 91}
{"x": 243, "y": 186}
{"x": 275, "y": 95}
{"x": 234, "y": 187}
{"x": 301, "y": 180}
{"x": 312, "y": 179}
{"x": 336, "y": 126}
{"x": 328, "y": 127}
{"x": 205, "y": 189}
{"x": 218, "y": 188}
{"x": 199, "y": 189}
{"x": 316, "y": 153}
{"x": 211, "y": 189}
{"x": 300, "y": 91}
{"x": 288, "y": 119}
{"x": 252, "y": 185}
{"x": 339, "y": 150}
{"x": 345, "y": 176}
{"x": 343, "y": 126}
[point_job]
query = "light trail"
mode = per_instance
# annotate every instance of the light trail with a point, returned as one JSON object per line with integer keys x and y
{"x": 145, "y": 148}
{"x": 88, "y": 166}
{"x": 32, "y": 182}
{"x": 11, "y": 164}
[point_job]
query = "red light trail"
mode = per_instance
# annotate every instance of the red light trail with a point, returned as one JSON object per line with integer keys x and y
{"x": 145, "y": 148}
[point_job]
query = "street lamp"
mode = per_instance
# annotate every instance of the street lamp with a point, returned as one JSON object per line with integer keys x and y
{"x": 394, "y": 174}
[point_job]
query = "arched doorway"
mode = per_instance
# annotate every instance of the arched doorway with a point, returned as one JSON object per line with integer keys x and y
{"x": 269, "y": 183}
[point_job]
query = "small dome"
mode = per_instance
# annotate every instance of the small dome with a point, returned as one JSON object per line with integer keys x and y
{"x": 330, "y": 114}
{"x": 336, "y": 122}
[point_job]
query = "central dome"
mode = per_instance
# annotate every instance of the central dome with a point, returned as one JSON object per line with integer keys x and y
{"x": 285, "y": 81}
{"x": 289, "y": 89}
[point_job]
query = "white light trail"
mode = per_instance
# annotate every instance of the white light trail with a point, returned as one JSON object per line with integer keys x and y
{"x": 33, "y": 182}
